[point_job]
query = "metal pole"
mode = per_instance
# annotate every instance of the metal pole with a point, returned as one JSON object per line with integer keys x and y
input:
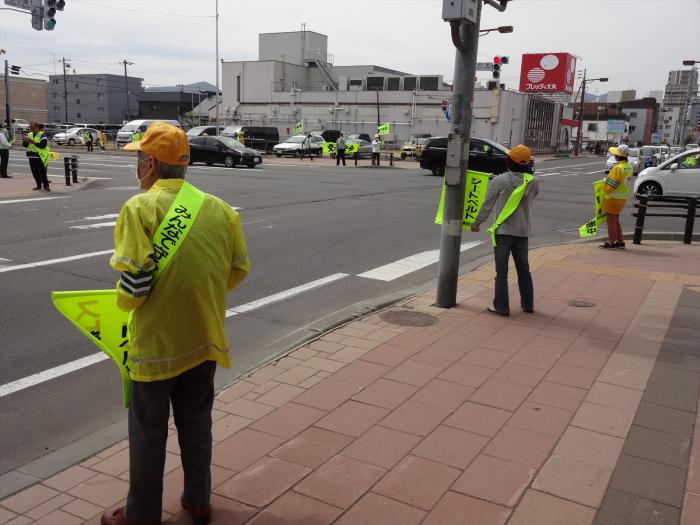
{"x": 65, "y": 88}
{"x": 378, "y": 120}
{"x": 579, "y": 135}
{"x": 7, "y": 99}
{"x": 217, "y": 67}
{"x": 126, "y": 89}
{"x": 458, "y": 145}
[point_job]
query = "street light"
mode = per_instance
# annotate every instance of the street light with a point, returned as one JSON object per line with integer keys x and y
{"x": 579, "y": 135}
{"x": 500, "y": 29}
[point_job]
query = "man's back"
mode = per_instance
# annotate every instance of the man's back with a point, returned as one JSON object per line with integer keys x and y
{"x": 500, "y": 188}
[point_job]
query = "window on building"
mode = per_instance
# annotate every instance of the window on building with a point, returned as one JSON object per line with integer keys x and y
{"x": 79, "y": 115}
{"x": 392, "y": 83}
{"x": 100, "y": 110}
{"x": 592, "y": 126}
{"x": 100, "y": 95}
{"x": 429, "y": 83}
{"x": 356, "y": 82}
{"x": 99, "y": 81}
{"x": 375, "y": 83}
{"x": 409, "y": 83}
{"x": 57, "y": 109}
{"x": 633, "y": 114}
{"x": 77, "y": 86}
{"x": 632, "y": 128}
{"x": 77, "y": 101}
{"x": 238, "y": 88}
{"x": 668, "y": 126}
{"x": 55, "y": 81}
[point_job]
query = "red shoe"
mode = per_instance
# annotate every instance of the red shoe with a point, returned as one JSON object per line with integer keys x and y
{"x": 116, "y": 517}
{"x": 200, "y": 515}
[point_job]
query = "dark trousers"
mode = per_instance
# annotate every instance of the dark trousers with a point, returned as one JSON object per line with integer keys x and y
{"x": 89, "y": 146}
{"x": 340, "y": 155}
{"x": 517, "y": 246}
{"x": 192, "y": 397}
{"x": 38, "y": 172}
{"x": 375, "y": 159}
{"x": 4, "y": 159}
{"x": 305, "y": 152}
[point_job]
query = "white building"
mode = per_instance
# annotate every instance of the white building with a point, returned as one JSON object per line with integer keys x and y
{"x": 669, "y": 124}
{"x": 294, "y": 80}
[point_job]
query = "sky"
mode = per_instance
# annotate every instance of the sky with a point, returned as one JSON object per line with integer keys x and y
{"x": 635, "y": 43}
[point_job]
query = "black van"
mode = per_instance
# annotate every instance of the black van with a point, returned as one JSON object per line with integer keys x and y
{"x": 258, "y": 137}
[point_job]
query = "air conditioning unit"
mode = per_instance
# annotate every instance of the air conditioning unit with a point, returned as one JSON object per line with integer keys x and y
{"x": 273, "y": 110}
{"x": 347, "y": 111}
{"x": 330, "y": 110}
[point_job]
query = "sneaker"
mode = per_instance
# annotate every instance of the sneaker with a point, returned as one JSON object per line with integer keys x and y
{"x": 47, "y": 189}
{"x": 606, "y": 245}
{"x": 620, "y": 245}
{"x": 37, "y": 188}
{"x": 494, "y": 311}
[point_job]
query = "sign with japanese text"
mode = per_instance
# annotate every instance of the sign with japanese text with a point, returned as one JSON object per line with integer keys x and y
{"x": 474, "y": 195}
{"x": 547, "y": 73}
{"x": 591, "y": 227}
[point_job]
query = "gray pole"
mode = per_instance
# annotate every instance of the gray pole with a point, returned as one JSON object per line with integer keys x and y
{"x": 579, "y": 134}
{"x": 7, "y": 99}
{"x": 217, "y": 67}
{"x": 65, "y": 88}
{"x": 465, "y": 35}
{"x": 126, "y": 89}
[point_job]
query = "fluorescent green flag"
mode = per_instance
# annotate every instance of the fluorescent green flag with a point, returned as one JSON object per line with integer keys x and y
{"x": 591, "y": 227}
{"x": 384, "y": 129}
{"x": 350, "y": 149}
{"x": 329, "y": 147}
{"x": 298, "y": 127}
{"x": 474, "y": 195}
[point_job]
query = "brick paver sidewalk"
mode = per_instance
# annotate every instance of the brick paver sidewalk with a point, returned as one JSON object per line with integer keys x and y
{"x": 572, "y": 415}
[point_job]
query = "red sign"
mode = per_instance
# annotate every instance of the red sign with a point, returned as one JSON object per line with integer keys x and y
{"x": 547, "y": 73}
{"x": 569, "y": 122}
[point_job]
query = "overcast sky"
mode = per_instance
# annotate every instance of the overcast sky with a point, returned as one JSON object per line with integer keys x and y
{"x": 633, "y": 42}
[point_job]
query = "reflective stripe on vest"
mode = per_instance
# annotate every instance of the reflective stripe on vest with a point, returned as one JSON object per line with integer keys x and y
{"x": 34, "y": 139}
{"x": 511, "y": 205}
{"x": 620, "y": 189}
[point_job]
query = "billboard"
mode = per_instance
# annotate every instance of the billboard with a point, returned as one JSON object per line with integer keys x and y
{"x": 547, "y": 73}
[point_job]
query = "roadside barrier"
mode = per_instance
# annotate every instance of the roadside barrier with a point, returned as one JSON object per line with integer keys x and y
{"x": 689, "y": 204}
{"x": 70, "y": 165}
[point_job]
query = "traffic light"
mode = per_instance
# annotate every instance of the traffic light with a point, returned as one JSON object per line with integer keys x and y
{"x": 504, "y": 60}
{"x": 49, "y": 14}
{"x": 60, "y": 5}
{"x": 14, "y": 70}
{"x": 496, "y": 67}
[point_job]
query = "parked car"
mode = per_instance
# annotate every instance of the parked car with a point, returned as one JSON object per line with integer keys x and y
{"x": 360, "y": 136}
{"x": 75, "y": 136}
{"x": 679, "y": 175}
{"x": 633, "y": 158}
{"x": 222, "y": 150}
{"x": 691, "y": 145}
{"x": 199, "y": 131}
{"x": 126, "y": 132}
{"x": 413, "y": 147}
{"x": 364, "y": 150}
{"x": 260, "y": 137}
{"x": 484, "y": 155}
{"x": 292, "y": 146}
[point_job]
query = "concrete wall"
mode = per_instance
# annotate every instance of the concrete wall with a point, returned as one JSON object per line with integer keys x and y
{"x": 27, "y": 99}
{"x": 287, "y": 47}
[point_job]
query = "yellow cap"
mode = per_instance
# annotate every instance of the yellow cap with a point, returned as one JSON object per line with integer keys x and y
{"x": 520, "y": 154}
{"x": 165, "y": 143}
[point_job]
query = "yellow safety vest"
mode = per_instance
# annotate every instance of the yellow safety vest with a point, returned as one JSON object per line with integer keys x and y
{"x": 619, "y": 181}
{"x": 34, "y": 140}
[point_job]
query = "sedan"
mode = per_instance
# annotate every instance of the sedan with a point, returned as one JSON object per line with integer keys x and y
{"x": 222, "y": 150}
{"x": 292, "y": 146}
{"x": 679, "y": 175}
{"x": 634, "y": 161}
{"x": 75, "y": 136}
{"x": 364, "y": 150}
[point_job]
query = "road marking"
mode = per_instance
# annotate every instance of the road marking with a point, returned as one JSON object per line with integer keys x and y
{"x": 100, "y": 217}
{"x": 13, "y": 201}
{"x": 281, "y": 296}
{"x": 51, "y": 373}
{"x": 397, "y": 269}
{"x": 53, "y": 261}
{"x": 94, "y": 226}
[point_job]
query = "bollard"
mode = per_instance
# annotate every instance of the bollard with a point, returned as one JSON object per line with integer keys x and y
{"x": 355, "y": 157}
{"x": 74, "y": 168}
{"x": 690, "y": 220}
{"x": 391, "y": 159}
{"x": 66, "y": 167}
{"x": 641, "y": 215}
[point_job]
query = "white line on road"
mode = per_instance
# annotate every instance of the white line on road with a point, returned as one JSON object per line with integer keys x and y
{"x": 51, "y": 373}
{"x": 94, "y": 226}
{"x": 13, "y": 201}
{"x": 281, "y": 296}
{"x": 53, "y": 261}
{"x": 397, "y": 269}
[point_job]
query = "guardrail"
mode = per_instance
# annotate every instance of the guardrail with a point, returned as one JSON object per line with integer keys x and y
{"x": 689, "y": 204}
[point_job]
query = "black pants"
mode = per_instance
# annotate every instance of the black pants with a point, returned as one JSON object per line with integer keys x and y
{"x": 89, "y": 146}
{"x": 375, "y": 159}
{"x": 305, "y": 152}
{"x": 39, "y": 172}
{"x": 4, "y": 159}
{"x": 192, "y": 397}
{"x": 517, "y": 246}
{"x": 340, "y": 155}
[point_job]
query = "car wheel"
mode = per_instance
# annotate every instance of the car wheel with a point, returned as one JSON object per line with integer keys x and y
{"x": 210, "y": 163}
{"x": 439, "y": 170}
{"x": 250, "y": 165}
{"x": 650, "y": 189}
{"x": 278, "y": 154}
{"x": 71, "y": 142}
{"x": 230, "y": 162}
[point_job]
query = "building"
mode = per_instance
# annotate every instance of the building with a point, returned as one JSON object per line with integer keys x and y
{"x": 658, "y": 94}
{"x": 604, "y": 125}
{"x": 643, "y": 115}
{"x": 93, "y": 98}
{"x": 681, "y": 87}
{"x": 295, "y": 80}
{"x": 174, "y": 102}
{"x": 668, "y": 125}
{"x": 628, "y": 95}
{"x": 27, "y": 99}
{"x": 693, "y": 128}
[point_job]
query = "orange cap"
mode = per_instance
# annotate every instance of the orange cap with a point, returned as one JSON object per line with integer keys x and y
{"x": 520, "y": 154}
{"x": 165, "y": 143}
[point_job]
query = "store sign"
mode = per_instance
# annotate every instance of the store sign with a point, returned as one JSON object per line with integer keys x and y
{"x": 547, "y": 73}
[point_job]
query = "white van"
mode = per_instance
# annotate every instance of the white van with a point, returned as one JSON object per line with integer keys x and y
{"x": 125, "y": 133}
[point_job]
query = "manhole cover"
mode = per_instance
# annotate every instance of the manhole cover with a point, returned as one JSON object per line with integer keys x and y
{"x": 408, "y": 318}
{"x": 581, "y": 304}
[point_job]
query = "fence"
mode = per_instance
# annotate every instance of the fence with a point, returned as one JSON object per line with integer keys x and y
{"x": 662, "y": 202}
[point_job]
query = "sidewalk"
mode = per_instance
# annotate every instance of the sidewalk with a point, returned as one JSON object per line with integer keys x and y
{"x": 20, "y": 185}
{"x": 573, "y": 415}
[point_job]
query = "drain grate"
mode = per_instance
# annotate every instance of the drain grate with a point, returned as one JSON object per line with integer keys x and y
{"x": 408, "y": 318}
{"x": 581, "y": 304}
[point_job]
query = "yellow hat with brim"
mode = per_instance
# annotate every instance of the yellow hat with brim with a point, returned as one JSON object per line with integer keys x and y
{"x": 165, "y": 143}
{"x": 520, "y": 154}
{"x": 620, "y": 151}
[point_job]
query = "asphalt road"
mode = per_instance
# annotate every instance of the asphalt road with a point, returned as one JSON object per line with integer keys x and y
{"x": 303, "y": 223}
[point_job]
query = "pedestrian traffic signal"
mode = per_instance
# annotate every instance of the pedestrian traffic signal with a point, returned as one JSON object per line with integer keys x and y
{"x": 14, "y": 70}
{"x": 49, "y": 13}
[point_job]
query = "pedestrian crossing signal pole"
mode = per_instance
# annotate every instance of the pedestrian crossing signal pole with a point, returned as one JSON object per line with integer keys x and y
{"x": 464, "y": 17}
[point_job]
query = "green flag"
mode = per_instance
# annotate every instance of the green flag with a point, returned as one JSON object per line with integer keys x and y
{"x": 591, "y": 227}
{"x": 474, "y": 195}
{"x": 351, "y": 149}
{"x": 298, "y": 127}
{"x": 384, "y": 129}
{"x": 328, "y": 148}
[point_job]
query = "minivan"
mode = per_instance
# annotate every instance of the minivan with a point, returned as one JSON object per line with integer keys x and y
{"x": 125, "y": 133}
{"x": 258, "y": 137}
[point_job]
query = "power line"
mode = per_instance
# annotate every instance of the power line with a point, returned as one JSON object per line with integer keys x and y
{"x": 159, "y": 13}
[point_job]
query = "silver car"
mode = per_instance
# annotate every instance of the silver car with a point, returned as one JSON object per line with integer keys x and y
{"x": 634, "y": 159}
{"x": 75, "y": 136}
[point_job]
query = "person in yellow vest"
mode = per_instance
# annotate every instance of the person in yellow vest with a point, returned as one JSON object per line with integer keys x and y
{"x": 38, "y": 154}
{"x": 136, "y": 136}
{"x": 88, "y": 140}
{"x": 616, "y": 190}
{"x": 176, "y": 329}
{"x": 240, "y": 137}
{"x": 511, "y": 195}
{"x": 103, "y": 140}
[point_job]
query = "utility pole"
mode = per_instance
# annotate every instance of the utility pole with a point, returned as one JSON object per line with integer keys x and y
{"x": 65, "y": 89}
{"x": 579, "y": 135}
{"x": 464, "y": 18}
{"x": 126, "y": 88}
{"x": 217, "y": 67}
{"x": 378, "y": 121}
{"x": 7, "y": 98}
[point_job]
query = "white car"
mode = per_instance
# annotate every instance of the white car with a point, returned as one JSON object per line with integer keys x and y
{"x": 75, "y": 136}
{"x": 679, "y": 175}
{"x": 292, "y": 146}
{"x": 634, "y": 161}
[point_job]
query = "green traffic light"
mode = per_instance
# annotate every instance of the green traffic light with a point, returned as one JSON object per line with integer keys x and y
{"x": 50, "y": 24}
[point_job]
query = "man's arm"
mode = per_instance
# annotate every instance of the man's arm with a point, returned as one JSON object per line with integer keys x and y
{"x": 240, "y": 264}
{"x": 492, "y": 192}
